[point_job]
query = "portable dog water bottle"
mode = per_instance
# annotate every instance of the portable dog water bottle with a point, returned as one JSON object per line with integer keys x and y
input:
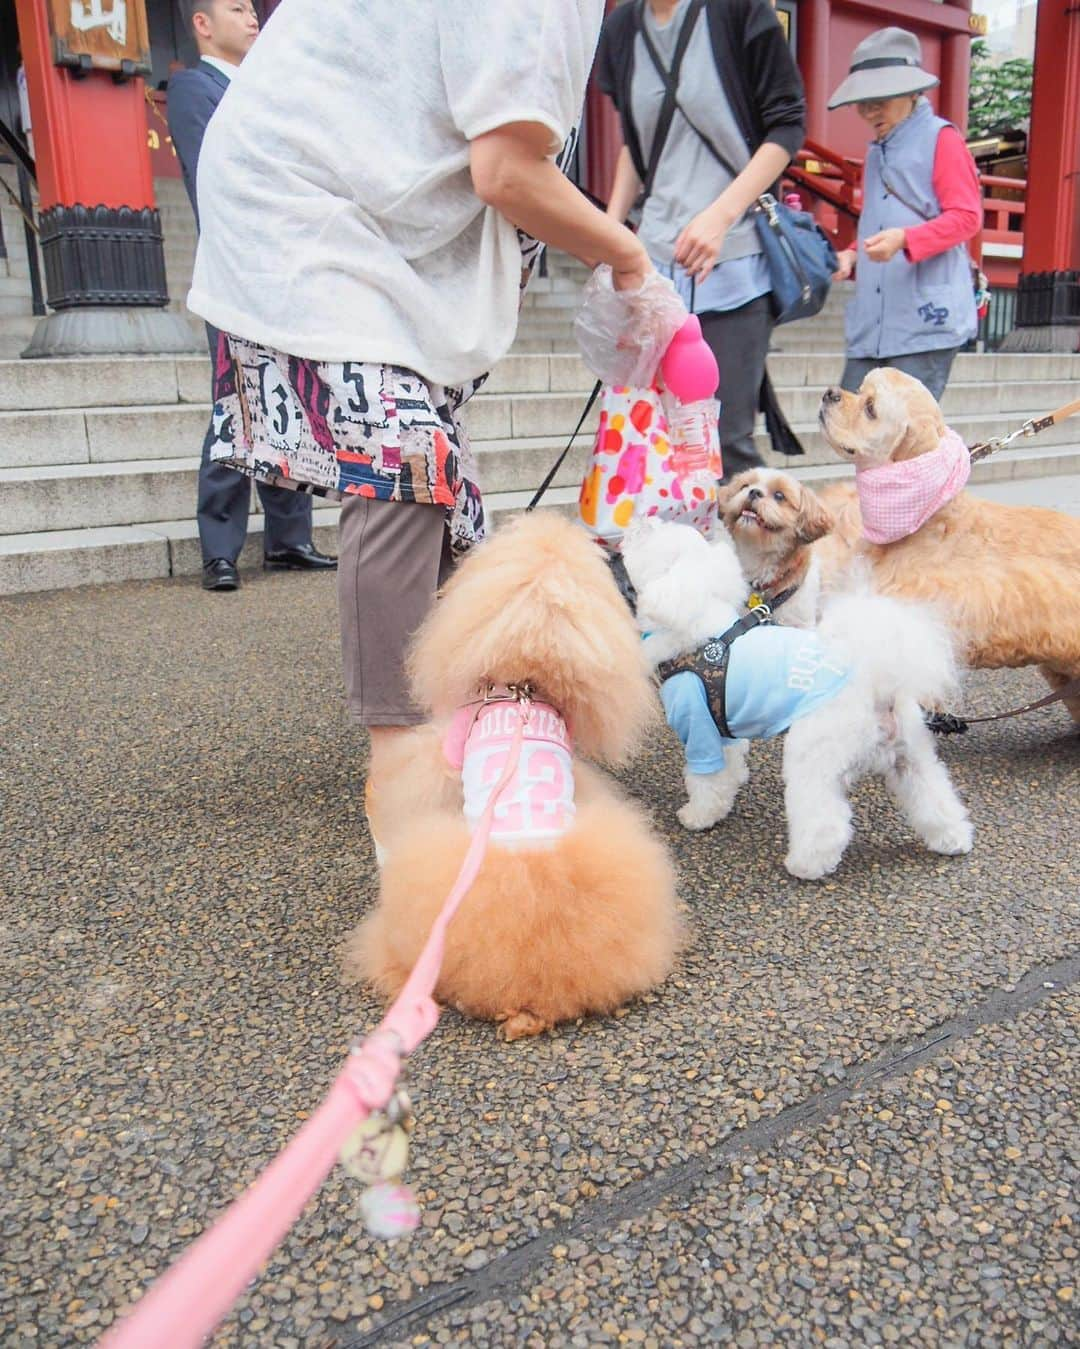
{"x": 691, "y": 375}
{"x": 688, "y": 366}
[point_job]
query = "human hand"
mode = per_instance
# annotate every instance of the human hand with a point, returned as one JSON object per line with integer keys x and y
{"x": 698, "y": 246}
{"x": 845, "y": 264}
{"x": 884, "y": 245}
{"x": 630, "y": 273}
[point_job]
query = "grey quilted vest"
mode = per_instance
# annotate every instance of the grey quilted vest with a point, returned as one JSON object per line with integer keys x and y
{"x": 902, "y": 307}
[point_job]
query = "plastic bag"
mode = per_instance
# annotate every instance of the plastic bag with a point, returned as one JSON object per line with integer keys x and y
{"x": 623, "y": 333}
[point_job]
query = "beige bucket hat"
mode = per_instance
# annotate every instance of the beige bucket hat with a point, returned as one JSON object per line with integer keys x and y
{"x": 884, "y": 65}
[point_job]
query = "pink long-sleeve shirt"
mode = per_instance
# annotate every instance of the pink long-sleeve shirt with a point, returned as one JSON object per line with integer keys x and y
{"x": 956, "y": 186}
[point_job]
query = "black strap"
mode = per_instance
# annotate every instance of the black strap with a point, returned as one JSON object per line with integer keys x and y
{"x": 880, "y": 63}
{"x": 569, "y": 445}
{"x": 775, "y": 601}
{"x": 710, "y": 662}
{"x": 670, "y": 79}
{"x": 671, "y": 86}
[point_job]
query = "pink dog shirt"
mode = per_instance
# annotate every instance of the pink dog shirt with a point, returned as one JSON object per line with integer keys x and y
{"x": 898, "y": 499}
{"x": 538, "y": 803}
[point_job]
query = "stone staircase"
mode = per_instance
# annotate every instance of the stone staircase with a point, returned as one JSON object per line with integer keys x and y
{"x": 98, "y": 458}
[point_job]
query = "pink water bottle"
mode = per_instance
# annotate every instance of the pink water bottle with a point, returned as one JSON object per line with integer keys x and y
{"x": 688, "y": 366}
{"x": 793, "y": 200}
{"x": 691, "y": 375}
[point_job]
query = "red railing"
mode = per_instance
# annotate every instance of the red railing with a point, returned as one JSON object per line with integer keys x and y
{"x": 835, "y": 182}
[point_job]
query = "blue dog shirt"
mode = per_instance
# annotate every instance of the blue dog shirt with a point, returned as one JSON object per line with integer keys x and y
{"x": 775, "y": 676}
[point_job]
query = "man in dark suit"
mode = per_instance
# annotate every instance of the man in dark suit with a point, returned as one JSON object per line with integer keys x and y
{"x": 224, "y": 31}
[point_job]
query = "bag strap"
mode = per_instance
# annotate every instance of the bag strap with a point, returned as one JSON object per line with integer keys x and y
{"x": 977, "y": 272}
{"x": 671, "y": 84}
{"x": 569, "y": 444}
{"x": 902, "y": 200}
{"x": 670, "y": 79}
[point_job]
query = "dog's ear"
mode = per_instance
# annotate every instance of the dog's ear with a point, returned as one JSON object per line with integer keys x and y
{"x": 728, "y": 490}
{"x": 665, "y": 596}
{"x": 815, "y": 519}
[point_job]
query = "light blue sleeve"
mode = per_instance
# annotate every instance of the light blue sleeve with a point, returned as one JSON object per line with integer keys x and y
{"x": 688, "y": 715}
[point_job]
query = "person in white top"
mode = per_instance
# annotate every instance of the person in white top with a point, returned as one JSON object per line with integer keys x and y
{"x": 372, "y": 191}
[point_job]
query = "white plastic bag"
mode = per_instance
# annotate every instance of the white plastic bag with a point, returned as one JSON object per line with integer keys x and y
{"x": 623, "y": 333}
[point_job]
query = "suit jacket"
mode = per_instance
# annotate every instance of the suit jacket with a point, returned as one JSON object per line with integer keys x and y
{"x": 193, "y": 96}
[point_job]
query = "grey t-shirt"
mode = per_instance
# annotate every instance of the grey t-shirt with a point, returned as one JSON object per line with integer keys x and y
{"x": 688, "y": 177}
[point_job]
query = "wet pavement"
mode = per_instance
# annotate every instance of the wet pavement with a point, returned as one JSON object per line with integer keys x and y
{"x": 850, "y": 1116}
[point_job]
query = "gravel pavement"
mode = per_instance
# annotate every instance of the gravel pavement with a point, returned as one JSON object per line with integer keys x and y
{"x": 850, "y": 1116}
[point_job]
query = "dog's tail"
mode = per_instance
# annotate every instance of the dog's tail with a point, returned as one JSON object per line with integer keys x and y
{"x": 899, "y": 646}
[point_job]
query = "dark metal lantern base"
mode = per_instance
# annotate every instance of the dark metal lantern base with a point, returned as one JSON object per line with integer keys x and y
{"x": 103, "y": 255}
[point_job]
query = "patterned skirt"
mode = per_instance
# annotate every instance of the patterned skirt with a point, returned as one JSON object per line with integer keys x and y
{"x": 345, "y": 428}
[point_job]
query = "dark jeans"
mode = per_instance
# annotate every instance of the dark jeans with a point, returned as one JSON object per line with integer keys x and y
{"x": 931, "y": 367}
{"x": 739, "y": 339}
{"x": 225, "y": 499}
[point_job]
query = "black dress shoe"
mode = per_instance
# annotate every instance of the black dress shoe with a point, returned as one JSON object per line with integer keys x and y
{"x": 304, "y": 557}
{"x": 220, "y": 574}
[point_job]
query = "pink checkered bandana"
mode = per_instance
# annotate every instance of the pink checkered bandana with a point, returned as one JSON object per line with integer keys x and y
{"x": 898, "y": 499}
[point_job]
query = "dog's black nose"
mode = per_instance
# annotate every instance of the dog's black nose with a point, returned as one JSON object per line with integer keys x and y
{"x": 754, "y": 493}
{"x": 832, "y": 395}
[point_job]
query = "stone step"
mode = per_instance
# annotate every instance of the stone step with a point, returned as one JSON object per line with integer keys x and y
{"x": 101, "y": 435}
{"x": 127, "y": 381}
{"x": 62, "y": 559}
{"x": 521, "y": 465}
{"x": 115, "y": 381}
{"x": 1013, "y": 402}
{"x": 72, "y": 557}
{"x": 538, "y": 395}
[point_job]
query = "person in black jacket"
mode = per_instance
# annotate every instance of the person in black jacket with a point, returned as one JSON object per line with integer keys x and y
{"x": 224, "y": 32}
{"x": 739, "y": 93}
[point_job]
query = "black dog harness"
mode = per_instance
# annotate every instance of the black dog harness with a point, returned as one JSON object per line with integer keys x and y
{"x": 710, "y": 663}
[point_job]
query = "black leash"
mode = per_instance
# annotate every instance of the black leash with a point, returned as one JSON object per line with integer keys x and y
{"x": 947, "y": 723}
{"x": 569, "y": 445}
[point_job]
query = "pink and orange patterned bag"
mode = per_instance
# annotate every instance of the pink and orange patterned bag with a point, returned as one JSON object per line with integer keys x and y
{"x": 643, "y": 467}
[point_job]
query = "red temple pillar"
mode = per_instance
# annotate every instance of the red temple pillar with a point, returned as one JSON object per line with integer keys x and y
{"x": 99, "y": 230}
{"x": 813, "y": 56}
{"x": 955, "y": 71}
{"x": 1048, "y": 296}
{"x": 1052, "y": 218}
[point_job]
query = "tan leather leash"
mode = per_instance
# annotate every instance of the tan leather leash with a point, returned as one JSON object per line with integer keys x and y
{"x": 948, "y": 723}
{"x": 1032, "y": 427}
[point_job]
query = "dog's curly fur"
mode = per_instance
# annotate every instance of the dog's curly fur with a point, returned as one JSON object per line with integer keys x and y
{"x": 1008, "y": 577}
{"x": 898, "y": 655}
{"x": 546, "y": 934}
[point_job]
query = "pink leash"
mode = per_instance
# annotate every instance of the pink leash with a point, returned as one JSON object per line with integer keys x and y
{"x": 185, "y": 1305}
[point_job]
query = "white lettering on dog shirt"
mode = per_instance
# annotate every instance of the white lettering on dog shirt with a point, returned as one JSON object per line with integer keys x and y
{"x": 537, "y": 803}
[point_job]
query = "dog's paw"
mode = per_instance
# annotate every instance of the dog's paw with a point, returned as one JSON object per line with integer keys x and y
{"x": 952, "y": 840}
{"x": 519, "y": 1024}
{"x": 691, "y": 816}
{"x": 812, "y": 866}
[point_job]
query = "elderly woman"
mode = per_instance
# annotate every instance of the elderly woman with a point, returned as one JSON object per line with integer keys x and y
{"x": 372, "y": 191}
{"x": 914, "y": 305}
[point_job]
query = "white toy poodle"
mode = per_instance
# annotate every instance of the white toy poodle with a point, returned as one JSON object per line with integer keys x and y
{"x": 848, "y": 694}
